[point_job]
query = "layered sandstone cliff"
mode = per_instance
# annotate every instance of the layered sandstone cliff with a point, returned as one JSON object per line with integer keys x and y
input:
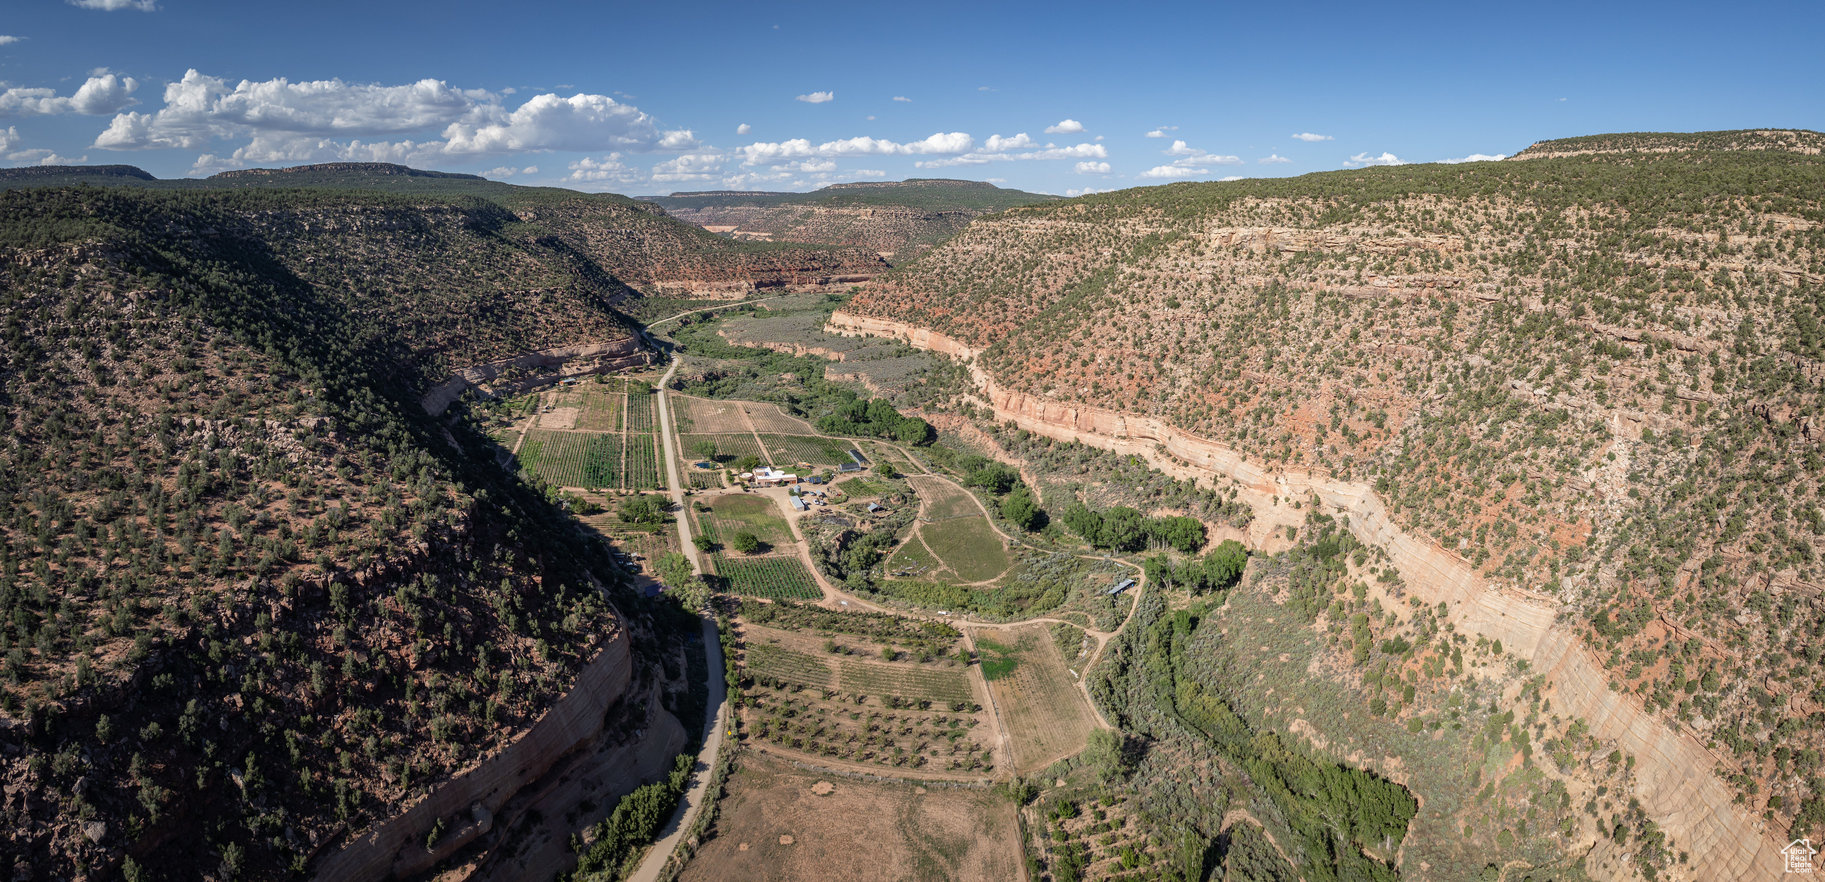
{"x": 1677, "y": 779}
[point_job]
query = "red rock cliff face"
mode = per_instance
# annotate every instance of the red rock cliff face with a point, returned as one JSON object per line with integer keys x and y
{"x": 1676, "y": 777}
{"x": 396, "y": 848}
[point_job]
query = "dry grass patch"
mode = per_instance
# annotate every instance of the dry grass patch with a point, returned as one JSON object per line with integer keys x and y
{"x": 855, "y": 831}
{"x": 1046, "y": 714}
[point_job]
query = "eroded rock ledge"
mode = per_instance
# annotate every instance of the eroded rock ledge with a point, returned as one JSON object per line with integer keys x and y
{"x": 1677, "y": 779}
{"x": 554, "y": 364}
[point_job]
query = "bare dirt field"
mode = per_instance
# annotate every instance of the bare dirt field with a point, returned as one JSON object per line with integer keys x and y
{"x": 780, "y": 822}
{"x": 1046, "y": 715}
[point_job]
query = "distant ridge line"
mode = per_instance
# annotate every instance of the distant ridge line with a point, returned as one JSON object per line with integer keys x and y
{"x": 375, "y": 168}
{"x": 26, "y": 173}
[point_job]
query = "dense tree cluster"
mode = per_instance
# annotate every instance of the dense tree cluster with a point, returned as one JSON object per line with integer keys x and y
{"x": 1126, "y": 529}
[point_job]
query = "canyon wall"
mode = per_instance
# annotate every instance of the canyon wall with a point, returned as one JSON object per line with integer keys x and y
{"x": 597, "y": 358}
{"x": 396, "y": 848}
{"x": 1677, "y": 779}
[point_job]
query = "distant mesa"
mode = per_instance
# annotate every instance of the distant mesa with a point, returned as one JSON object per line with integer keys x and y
{"x": 1802, "y": 141}
{"x": 61, "y": 172}
{"x": 340, "y": 169}
{"x": 896, "y": 219}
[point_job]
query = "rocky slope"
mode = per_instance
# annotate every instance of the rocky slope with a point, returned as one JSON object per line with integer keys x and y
{"x": 257, "y": 605}
{"x": 626, "y": 244}
{"x": 1587, "y": 385}
{"x": 897, "y": 219}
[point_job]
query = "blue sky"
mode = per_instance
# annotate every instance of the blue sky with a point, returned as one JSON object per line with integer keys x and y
{"x": 1060, "y": 98}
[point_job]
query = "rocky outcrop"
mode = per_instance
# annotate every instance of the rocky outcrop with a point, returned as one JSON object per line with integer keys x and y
{"x": 468, "y": 801}
{"x": 1677, "y": 779}
{"x": 550, "y": 365}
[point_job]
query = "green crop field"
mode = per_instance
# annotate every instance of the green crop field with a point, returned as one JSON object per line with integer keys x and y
{"x": 789, "y": 665}
{"x": 698, "y": 479}
{"x": 919, "y": 684}
{"x": 769, "y": 577}
{"x": 572, "y": 459}
{"x": 642, "y": 464}
{"x": 728, "y": 446}
{"x": 969, "y": 546}
{"x": 639, "y": 412}
{"x": 756, "y": 514}
{"x": 805, "y": 448}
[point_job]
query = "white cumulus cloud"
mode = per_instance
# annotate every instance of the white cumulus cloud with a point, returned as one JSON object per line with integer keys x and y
{"x": 101, "y": 94}
{"x": 1364, "y": 159}
{"x": 609, "y": 171}
{"x": 116, "y": 5}
{"x": 1065, "y": 127}
{"x": 816, "y": 97}
{"x": 1049, "y": 151}
{"x": 548, "y": 122}
{"x": 320, "y": 120}
{"x": 902, "y": 99}
{"x": 9, "y": 39}
{"x": 1092, "y": 168}
{"x": 1308, "y": 137}
{"x": 998, "y": 144}
{"x": 1273, "y": 159}
{"x": 689, "y": 167}
{"x": 1161, "y": 131}
{"x": 1476, "y": 157}
{"x": 1084, "y": 192}
{"x": 743, "y": 129}
{"x": 1173, "y": 172}
{"x": 777, "y": 152}
{"x": 1189, "y": 155}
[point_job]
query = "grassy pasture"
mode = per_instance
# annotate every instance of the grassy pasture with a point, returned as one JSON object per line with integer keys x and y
{"x": 969, "y": 546}
{"x": 913, "y": 560}
{"x": 943, "y": 500}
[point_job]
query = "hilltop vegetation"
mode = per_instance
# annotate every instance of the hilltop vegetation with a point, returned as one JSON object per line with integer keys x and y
{"x": 1596, "y": 377}
{"x": 898, "y": 218}
{"x": 603, "y": 234}
{"x": 922, "y": 194}
{"x": 1779, "y": 140}
{"x": 253, "y": 599}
